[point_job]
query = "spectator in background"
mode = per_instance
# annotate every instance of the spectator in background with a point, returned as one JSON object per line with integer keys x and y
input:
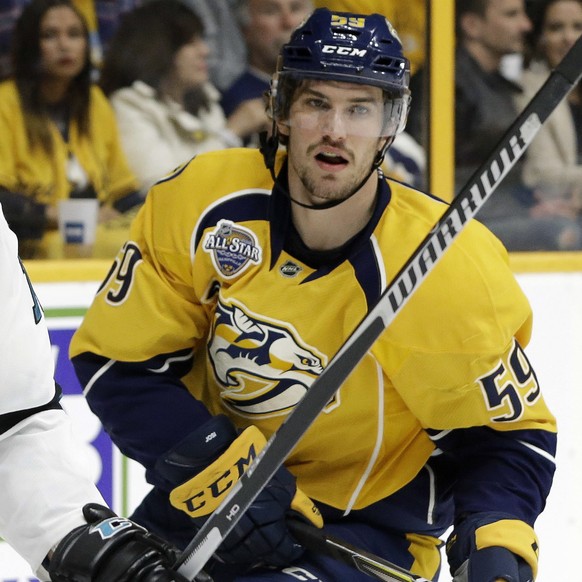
{"x": 101, "y": 17}
{"x": 487, "y": 31}
{"x": 484, "y": 99}
{"x": 156, "y": 76}
{"x": 266, "y": 26}
{"x": 484, "y": 109}
{"x": 228, "y": 58}
{"x": 553, "y": 164}
{"x": 58, "y": 136}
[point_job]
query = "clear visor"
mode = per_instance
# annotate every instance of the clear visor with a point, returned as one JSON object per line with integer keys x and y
{"x": 354, "y": 119}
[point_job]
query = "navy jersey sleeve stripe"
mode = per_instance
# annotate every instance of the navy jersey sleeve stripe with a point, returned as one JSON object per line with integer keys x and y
{"x": 368, "y": 275}
{"x": 517, "y": 486}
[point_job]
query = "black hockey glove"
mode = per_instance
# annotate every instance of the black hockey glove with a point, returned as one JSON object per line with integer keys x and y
{"x": 202, "y": 469}
{"x": 112, "y": 549}
{"x": 487, "y": 547}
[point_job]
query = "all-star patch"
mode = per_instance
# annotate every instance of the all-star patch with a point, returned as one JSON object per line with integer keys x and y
{"x": 290, "y": 269}
{"x": 233, "y": 248}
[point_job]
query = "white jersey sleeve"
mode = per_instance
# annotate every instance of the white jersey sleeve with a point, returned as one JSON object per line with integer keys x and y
{"x": 43, "y": 471}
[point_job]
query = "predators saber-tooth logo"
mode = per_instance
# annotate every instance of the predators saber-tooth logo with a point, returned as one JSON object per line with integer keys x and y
{"x": 233, "y": 248}
{"x": 262, "y": 366}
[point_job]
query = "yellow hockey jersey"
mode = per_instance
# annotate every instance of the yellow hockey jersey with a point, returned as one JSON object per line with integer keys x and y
{"x": 30, "y": 170}
{"x": 207, "y": 274}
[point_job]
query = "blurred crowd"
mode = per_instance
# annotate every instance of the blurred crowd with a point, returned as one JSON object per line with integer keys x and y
{"x": 102, "y": 98}
{"x": 505, "y": 51}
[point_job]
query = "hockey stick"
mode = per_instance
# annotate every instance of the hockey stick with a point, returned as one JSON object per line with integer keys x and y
{"x": 317, "y": 540}
{"x": 464, "y": 207}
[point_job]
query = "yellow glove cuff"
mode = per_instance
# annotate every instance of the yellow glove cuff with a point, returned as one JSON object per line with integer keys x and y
{"x": 202, "y": 494}
{"x": 517, "y": 536}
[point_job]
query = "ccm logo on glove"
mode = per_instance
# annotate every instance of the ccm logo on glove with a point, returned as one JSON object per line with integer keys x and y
{"x": 202, "y": 494}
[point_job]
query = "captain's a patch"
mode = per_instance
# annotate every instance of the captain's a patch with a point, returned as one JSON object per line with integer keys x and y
{"x": 233, "y": 248}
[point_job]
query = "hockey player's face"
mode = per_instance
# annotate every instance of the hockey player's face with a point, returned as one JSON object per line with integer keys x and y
{"x": 334, "y": 134}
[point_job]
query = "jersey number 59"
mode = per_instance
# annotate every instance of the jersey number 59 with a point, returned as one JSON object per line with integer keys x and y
{"x": 511, "y": 386}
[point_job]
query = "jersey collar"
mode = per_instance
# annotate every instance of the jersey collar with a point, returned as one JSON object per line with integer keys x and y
{"x": 280, "y": 219}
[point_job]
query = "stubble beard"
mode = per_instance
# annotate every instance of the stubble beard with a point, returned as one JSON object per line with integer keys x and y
{"x": 325, "y": 189}
{"x": 331, "y": 187}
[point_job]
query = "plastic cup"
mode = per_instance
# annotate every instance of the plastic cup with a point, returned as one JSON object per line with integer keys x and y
{"x": 77, "y": 226}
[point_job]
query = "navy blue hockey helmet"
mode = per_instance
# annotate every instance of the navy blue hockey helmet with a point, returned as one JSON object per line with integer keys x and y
{"x": 354, "y": 48}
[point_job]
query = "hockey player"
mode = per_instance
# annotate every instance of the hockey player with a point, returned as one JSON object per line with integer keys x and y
{"x": 243, "y": 278}
{"x": 50, "y": 512}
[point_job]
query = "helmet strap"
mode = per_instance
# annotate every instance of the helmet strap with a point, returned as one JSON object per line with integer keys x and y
{"x": 269, "y": 147}
{"x": 382, "y": 152}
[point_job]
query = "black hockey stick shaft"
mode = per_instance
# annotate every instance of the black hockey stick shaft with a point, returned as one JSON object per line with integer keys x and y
{"x": 464, "y": 207}
{"x": 378, "y": 568}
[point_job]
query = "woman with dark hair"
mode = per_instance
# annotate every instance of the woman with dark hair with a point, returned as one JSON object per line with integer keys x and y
{"x": 155, "y": 73}
{"x": 553, "y": 165}
{"x": 58, "y": 134}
